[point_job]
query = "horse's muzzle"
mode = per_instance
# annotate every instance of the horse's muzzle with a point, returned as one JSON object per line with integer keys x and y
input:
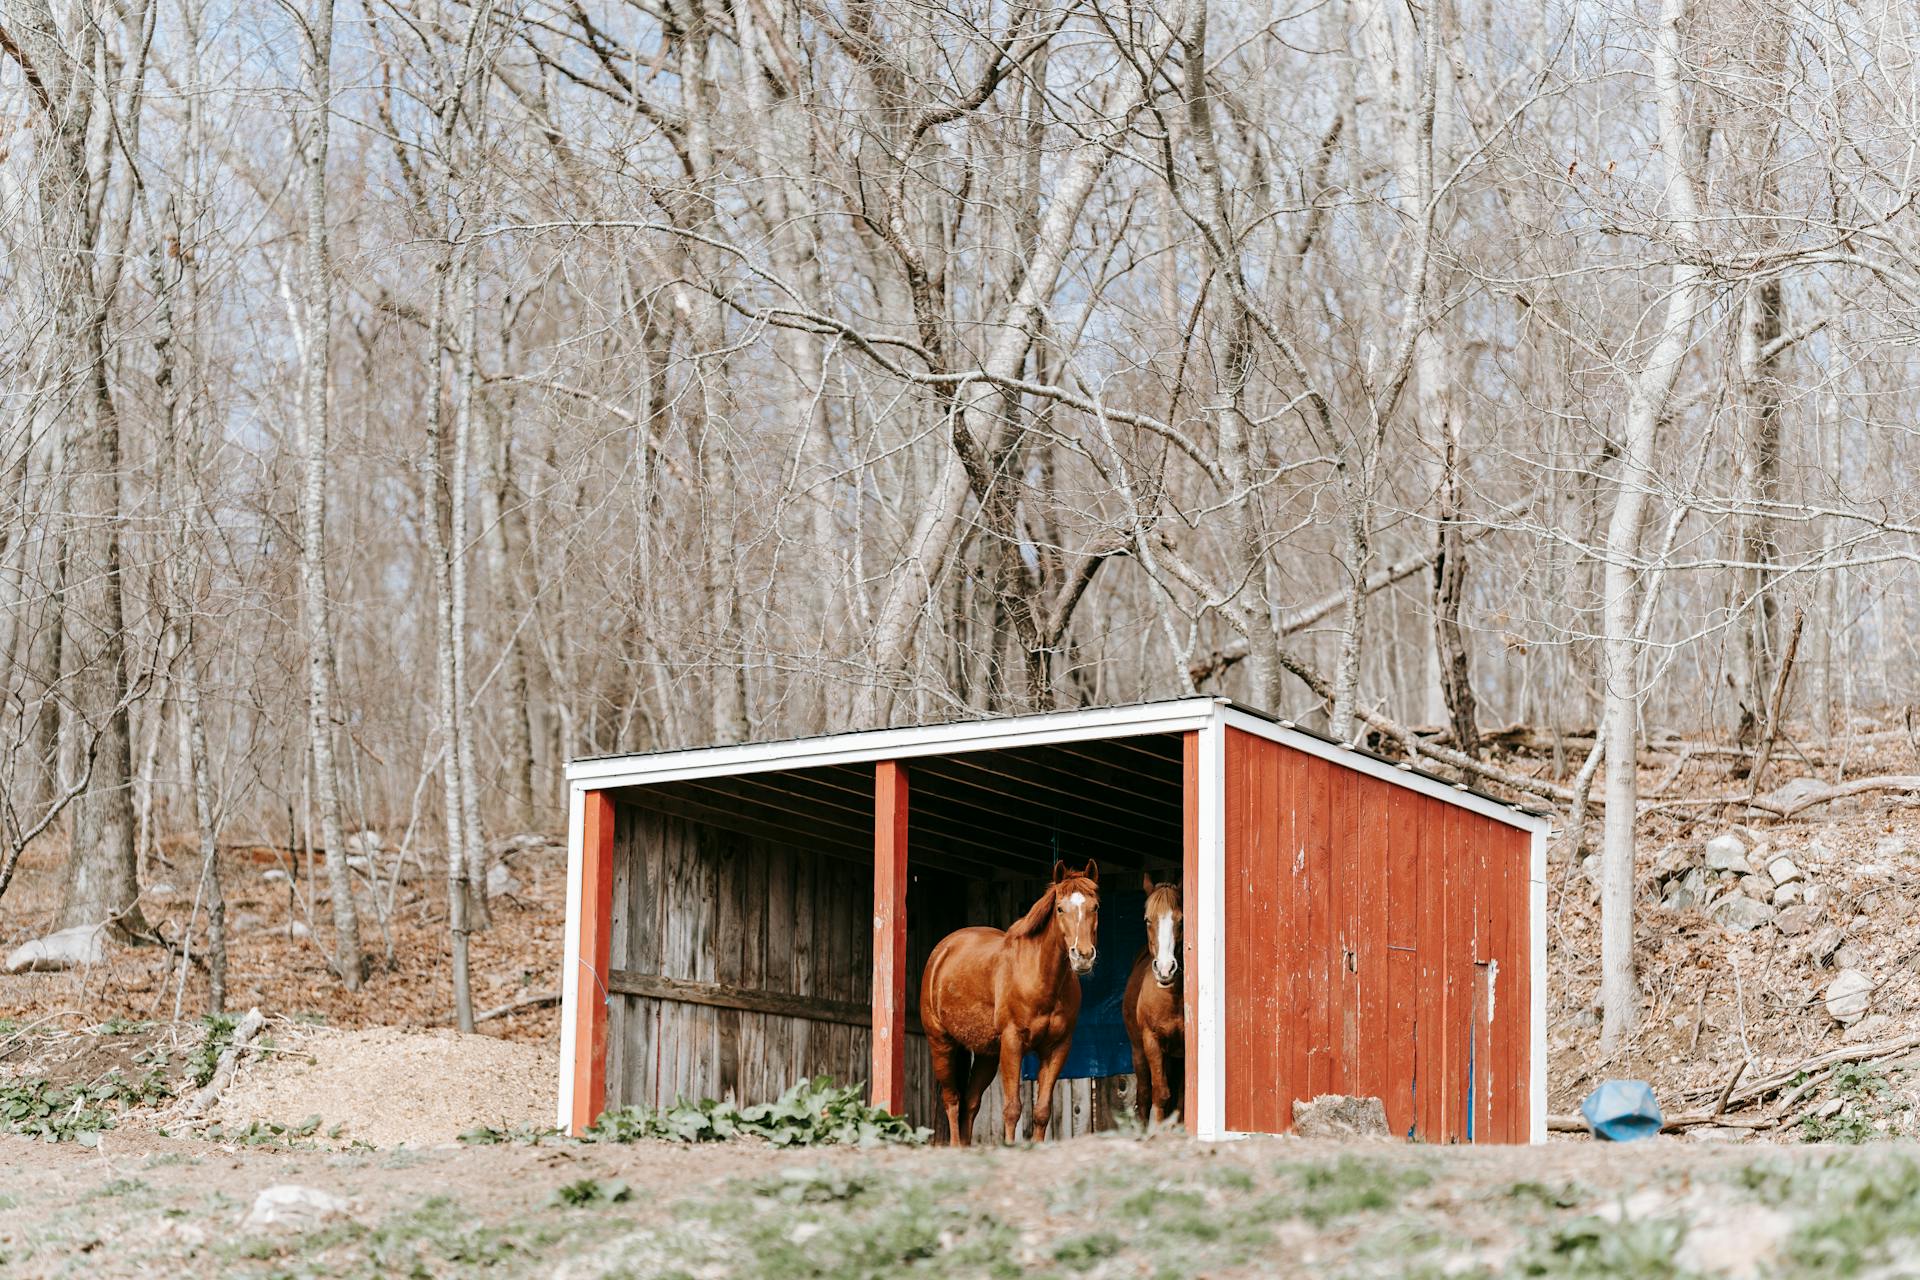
{"x": 1082, "y": 964}
{"x": 1166, "y": 979}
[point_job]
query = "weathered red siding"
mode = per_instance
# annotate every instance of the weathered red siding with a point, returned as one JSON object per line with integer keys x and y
{"x": 1377, "y": 943}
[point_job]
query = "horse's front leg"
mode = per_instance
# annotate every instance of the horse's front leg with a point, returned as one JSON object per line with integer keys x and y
{"x": 1012, "y": 1047}
{"x": 1154, "y": 1086}
{"x": 1052, "y": 1059}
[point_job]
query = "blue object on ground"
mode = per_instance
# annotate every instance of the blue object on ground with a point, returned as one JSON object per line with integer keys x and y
{"x": 1622, "y": 1111}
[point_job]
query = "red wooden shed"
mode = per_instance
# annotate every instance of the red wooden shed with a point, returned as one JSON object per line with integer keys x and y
{"x": 741, "y": 917}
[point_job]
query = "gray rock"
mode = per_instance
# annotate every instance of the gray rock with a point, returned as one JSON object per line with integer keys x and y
{"x": 1794, "y": 790}
{"x": 1757, "y": 887}
{"x": 1816, "y": 895}
{"x": 1824, "y": 942}
{"x": 1705, "y": 1133}
{"x": 1741, "y": 913}
{"x": 1727, "y": 852}
{"x": 273, "y": 875}
{"x": 1679, "y": 898}
{"x": 295, "y": 1208}
{"x": 161, "y": 889}
{"x": 1590, "y": 868}
{"x": 78, "y": 947}
{"x": 1740, "y": 1240}
{"x": 1783, "y": 870}
{"x": 1889, "y": 847}
{"x": 500, "y": 881}
{"x": 364, "y": 844}
{"x": 1875, "y": 1026}
{"x": 1850, "y": 955}
{"x": 1794, "y": 921}
{"x": 1334, "y": 1115}
{"x": 1787, "y": 894}
{"x": 1849, "y": 996}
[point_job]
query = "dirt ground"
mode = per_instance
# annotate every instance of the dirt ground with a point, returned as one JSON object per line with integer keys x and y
{"x": 1107, "y": 1206}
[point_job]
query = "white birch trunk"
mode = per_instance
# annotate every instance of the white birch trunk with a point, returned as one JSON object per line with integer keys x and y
{"x": 1621, "y": 668}
{"x": 317, "y": 296}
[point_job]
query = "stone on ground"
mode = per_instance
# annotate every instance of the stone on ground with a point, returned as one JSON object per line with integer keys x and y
{"x": 1796, "y": 920}
{"x": 1783, "y": 870}
{"x": 295, "y": 1208}
{"x": 1335, "y": 1115}
{"x": 1727, "y": 852}
{"x": 1849, "y": 996}
{"x": 1740, "y": 1241}
{"x": 1740, "y": 913}
{"x": 82, "y": 945}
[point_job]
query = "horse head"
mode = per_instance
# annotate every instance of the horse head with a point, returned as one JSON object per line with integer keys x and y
{"x": 1163, "y": 929}
{"x": 1076, "y": 906}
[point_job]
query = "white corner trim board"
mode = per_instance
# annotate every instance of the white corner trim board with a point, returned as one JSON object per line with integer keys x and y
{"x": 570, "y": 957}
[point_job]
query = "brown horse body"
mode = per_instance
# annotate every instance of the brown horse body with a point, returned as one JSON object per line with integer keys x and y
{"x": 990, "y": 996}
{"x": 1155, "y": 1010}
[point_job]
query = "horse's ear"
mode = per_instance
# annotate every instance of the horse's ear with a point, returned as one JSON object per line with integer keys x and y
{"x": 1093, "y": 871}
{"x": 1146, "y": 881}
{"x": 1059, "y": 871}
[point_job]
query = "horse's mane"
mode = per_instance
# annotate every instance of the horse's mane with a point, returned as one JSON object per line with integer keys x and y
{"x": 1164, "y": 894}
{"x": 1039, "y": 915}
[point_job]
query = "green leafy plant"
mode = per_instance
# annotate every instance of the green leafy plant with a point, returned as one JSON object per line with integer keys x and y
{"x": 205, "y": 1057}
{"x": 59, "y": 1113}
{"x": 589, "y": 1192}
{"x": 266, "y": 1133}
{"x": 521, "y": 1135}
{"x": 814, "y": 1112}
{"x": 1631, "y": 1249}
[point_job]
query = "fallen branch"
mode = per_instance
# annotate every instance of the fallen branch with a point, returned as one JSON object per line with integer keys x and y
{"x": 537, "y": 1000}
{"x": 1819, "y": 1067}
{"x": 1673, "y": 1124}
{"x": 223, "y": 1070}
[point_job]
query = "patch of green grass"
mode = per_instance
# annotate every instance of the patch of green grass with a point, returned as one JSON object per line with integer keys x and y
{"x": 1860, "y": 1215}
{"x": 123, "y": 1026}
{"x": 1082, "y": 1253}
{"x": 1590, "y": 1248}
{"x": 1565, "y": 1196}
{"x": 1353, "y": 1185}
{"x": 118, "y": 1187}
{"x": 824, "y": 1224}
{"x": 592, "y": 1192}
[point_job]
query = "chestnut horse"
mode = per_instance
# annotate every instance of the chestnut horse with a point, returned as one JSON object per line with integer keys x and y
{"x": 1155, "y": 1012}
{"x": 988, "y": 997}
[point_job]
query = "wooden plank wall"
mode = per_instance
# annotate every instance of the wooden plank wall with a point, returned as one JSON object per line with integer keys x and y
{"x": 1376, "y": 944}
{"x": 697, "y": 903}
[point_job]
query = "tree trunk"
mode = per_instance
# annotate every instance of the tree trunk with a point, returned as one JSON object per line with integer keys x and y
{"x": 317, "y": 297}
{"x": 1647, "y": 405}
{"x": 101, "y": 876}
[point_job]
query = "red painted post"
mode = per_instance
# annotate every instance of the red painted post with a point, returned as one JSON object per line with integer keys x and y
{"x": 1189, "y": 951}
{"x": 888, "y": 1087}
{"x": 596, "y": 937}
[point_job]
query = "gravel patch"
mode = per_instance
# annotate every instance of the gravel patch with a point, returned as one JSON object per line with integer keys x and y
{"x": 389, "y": 1087}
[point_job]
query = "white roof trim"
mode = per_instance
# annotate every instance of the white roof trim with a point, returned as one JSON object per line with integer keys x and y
{"x": 1364, "y": 763}
{"x": 898, "y": 744}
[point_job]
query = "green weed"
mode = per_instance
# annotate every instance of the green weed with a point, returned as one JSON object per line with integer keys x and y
{"x": 1592, "y": 1248}
{"x": 812, "y": 1113}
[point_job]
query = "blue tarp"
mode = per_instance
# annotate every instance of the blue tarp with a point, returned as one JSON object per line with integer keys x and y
{"x": 1100, "y": 1045}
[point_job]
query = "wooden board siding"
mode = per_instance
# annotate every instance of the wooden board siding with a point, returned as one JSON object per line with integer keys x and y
{"x": 1376, "y": 943}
